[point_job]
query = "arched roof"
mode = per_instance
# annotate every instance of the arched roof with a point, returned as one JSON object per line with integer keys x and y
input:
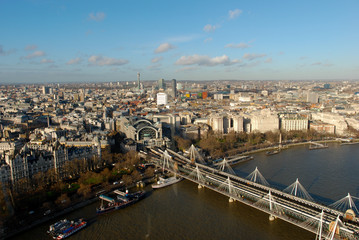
{"x": 142, "y": 122}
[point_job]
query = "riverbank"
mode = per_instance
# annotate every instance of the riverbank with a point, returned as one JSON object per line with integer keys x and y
{"x": 288, "y": 145}
{"x": 49, "y": 217}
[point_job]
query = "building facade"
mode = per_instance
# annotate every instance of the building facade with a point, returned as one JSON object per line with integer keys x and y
{"x": 293, "y": 122}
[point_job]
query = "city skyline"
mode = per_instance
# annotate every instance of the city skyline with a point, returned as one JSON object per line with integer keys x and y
{"x": 64, "y": 41}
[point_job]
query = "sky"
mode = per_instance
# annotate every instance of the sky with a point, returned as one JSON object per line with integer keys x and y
{"x": 87, "y": 41}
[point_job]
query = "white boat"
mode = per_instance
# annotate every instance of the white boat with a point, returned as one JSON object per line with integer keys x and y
{"x": 164, "y": 182}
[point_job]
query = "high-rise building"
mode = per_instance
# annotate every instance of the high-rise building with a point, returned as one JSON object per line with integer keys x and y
{"x": 174, "y": 88}
{"x": 138, "y": 80}
{"x": 161, "y": 84}
{"x": 179, "y": 86}
{"x": 162, "y": 98}
{"x": 45, "y": 90}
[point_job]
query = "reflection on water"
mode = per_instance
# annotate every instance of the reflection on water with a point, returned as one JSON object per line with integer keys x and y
{"x": 182, "y": 211}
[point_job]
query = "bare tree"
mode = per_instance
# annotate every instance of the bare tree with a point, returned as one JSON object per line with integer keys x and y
{"x": 127, "y": 179}
{"x": 149, "y": 172}
{"x": 136, "y": 176}
{"x": 63, "y": 200}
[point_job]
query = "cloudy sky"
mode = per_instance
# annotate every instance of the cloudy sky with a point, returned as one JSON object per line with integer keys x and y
{"x": 82, "y": 40}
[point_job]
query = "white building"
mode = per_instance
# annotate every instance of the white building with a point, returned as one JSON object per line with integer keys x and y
{"x": 225, "y": 123}
{"x": 312, "y": 97}
{"x": 162, "y": 98}
{"x": 293, "y": 122}
{"x": 339, "y": 121}
{"x": 264, "y": 121}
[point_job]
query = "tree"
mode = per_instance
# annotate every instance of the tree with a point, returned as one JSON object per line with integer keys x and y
{"x": 3, "y": 208}
{"x": 149, "y": 172}
{"x": 127, "y": 179}
{"x": 51, "y": 176}
{"x": 136, "y": 176}
{"x": 105, "y": 174}
{"x": 231, "y": 139}
{"x": 182, "y": 144}
{"x": 63, "y": 200}
{"x": 272, "y": 137}
{"x": 84, "y": 190}
{"x": 38, "y": 182}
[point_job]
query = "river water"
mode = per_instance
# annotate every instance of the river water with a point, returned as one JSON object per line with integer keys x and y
{"x": 182, "y": 211}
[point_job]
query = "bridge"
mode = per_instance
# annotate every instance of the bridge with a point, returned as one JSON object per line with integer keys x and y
{"x": 293, "y": 204}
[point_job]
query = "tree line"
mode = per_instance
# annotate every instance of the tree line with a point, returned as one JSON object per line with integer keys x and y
{"x": 219, "y": 145}
{"x": 77, "y": 180}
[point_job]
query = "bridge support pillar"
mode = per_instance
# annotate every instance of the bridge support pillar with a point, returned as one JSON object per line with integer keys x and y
{"x": 271, "y": 217}
{"x": 231, "y": 199}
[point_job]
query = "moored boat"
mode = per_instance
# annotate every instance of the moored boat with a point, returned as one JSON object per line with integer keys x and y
{"x": 164, "y": 182}
{"x": 317, "y": 147}
{"x": 122, "y": 200}
{"x": 272, "y": 152}
{"x": 65, "y": 228}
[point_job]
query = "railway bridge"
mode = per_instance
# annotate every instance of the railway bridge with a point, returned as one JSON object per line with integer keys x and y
{"x": 293, "y": 204}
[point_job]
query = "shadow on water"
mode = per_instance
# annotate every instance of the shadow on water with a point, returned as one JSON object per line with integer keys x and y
{"x": 91, "y": 220}
{"x": 317, "y": 198}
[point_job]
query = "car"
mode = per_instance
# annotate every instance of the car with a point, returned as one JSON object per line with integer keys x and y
{"x": 47, "y": 212}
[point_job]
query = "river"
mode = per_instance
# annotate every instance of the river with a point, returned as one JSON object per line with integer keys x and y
{"x": 183, "y": 211}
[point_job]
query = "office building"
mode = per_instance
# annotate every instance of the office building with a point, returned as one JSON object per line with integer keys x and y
{"x": 174, "y": 88}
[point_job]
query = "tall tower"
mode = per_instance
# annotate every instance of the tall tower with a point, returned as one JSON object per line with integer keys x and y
{"x": 138, "y": 80}
{"x": 174, "y": 88}
{"x": 161, "y": 84}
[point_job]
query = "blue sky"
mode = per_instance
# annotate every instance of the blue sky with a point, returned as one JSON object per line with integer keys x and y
{"x": 80, "y": 41}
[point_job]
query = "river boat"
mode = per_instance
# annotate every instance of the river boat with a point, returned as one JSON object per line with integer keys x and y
{"x": 313, "y": 147}
{"x": 65, "y": 228}
{"x": 122, "y": 200}
{"x": 234, "y": 161}
{"x": 273, "y": 152}
{"x": 164, "y": 182}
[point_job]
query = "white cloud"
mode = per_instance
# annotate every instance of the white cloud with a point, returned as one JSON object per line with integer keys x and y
{"x": 252, "y": 56}
{"x": 164, "y": 47}
{"x": 205, "y": 60}
{"x": 232, "y": 14}
{"x": 210, "y": 28}
{"x": 239, "y": 45}
{"x": 45, "y": 60}
{"x": 268, "y": 60}
{"x": 35, "y": 54}
{"x": 316, "y": 64}
{"x": 31, "y": 47}
{"x": 106, "y": 61}
{"x": 157, "y": 59}
{"x": 208, "y": 39}
{"x": 74, "y": 61}
{"x": 99, "y": 16}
